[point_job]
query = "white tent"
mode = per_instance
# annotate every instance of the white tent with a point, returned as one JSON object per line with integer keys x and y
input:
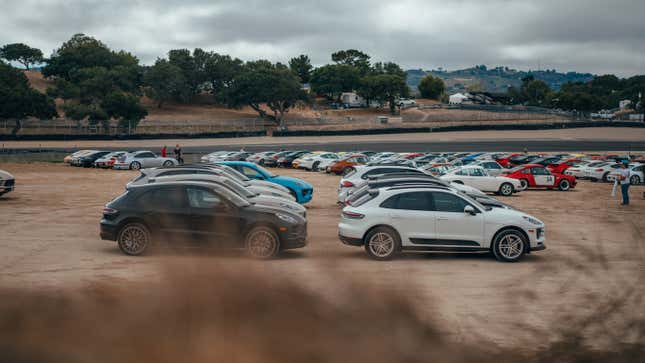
{"x": 457, "y": 99}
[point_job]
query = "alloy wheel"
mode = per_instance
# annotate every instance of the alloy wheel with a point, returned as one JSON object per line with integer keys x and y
{"x": 381, "y": 244}
{"x": 261, "y": 244}
{"x": 511, "y": 246}
{"x": 133, "y": 239}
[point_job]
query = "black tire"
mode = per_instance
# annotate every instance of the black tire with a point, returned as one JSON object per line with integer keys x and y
{"x": 382, "y": 243}
{"x": 347, "y": 170}
{"x": 524, "y": 183}
{"x": 134, "y": 239}
{"x": 315, "y": 166}
{"x": 604, "y": 177}
{"x": 135, "y": 165}
{"x": 167, "y": 163}
{"x": 509, "y": 246}
{"x": 564, "y": 185}
{"x": 506, "y": 189}
{"x": 634, "y": 180}
{"x": 261, "y": 162}
{"x": 262, "y": 242}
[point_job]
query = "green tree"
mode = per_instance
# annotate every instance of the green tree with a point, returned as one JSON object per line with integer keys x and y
{"x": 21, "y": 53}
{"x": 125, "y": 108}
{"x": 354, "y": 58}
{"x": 301, "y": 66}
{"x": 535, "y": 92}
{"x": 382, "y": 88}
{"x": 264, "y": 83}
{"x": 18, "y": 100}
{"x": 163, "y": 81}
{"x": 220, "y": 71}
{"x": 334, "y": 79}
{"x": 431, "y": 87}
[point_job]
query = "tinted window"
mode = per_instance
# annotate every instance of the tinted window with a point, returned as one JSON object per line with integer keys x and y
{"x": 444, "y": 202}
{"x": 539, "y": 171}
{"x": 202, "y": 198}
{"x": 477, "y": 172}
{"x": 248, "y": 172}
{"x": 408, "y": 201}
{"x": 461, "y": 172}
{"x": 493, "y": 166}
{"x": 164, "y": 198}
{"x": 146, "y": 155}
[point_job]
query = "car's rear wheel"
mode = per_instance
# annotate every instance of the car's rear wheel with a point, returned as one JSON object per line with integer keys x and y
{"x": 315, "y": 166}
{"x": 347, "y": 170}
{"x": 133, "y": 239}
{"x": 382, "y": 243}
{"x": 634, "y": 180}
{"x": 167, "y": 163}
{"x": 135, "y": 165}
{"x": 509, "y": 246}
{"x": 506, "y": 189}
{"x": 262, "y": 242}
{"x": 261, "y": 162}
{"x": 524, "y": 183}
{"x": 564, "y": 185}
{"x": 605, "y": 177}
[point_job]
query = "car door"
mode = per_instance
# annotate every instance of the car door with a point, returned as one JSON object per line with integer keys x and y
{"x": 542, "y": 177}
{"x": 412, "y": 216}
{"x": 146, "y": 159}
{"x": 214, "y": 219}
{"x": 165, "y": 209}
{"x": 478, "y": 179}
{"x": 453, "y": 226}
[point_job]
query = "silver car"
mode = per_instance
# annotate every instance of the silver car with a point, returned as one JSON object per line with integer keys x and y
{"x": 7, "y": 182}
{"x": 141, "y": 160}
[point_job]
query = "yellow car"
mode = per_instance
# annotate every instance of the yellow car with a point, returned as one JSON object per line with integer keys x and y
{"x": 68, "y": 158}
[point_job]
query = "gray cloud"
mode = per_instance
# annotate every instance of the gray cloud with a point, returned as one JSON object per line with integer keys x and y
{"x": 583, "y": 35}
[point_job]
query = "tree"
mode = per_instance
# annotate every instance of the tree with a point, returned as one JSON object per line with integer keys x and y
{"x": 164, "y": 81}
{"x": 535, "y": 92}
{"x": 219, "y": 72}
{"x": 125, "y": 108}
{"x": 431, "y": 87}
{"x": 21, "y": 53}
{"x": 301, "y": 66}
{"x": 334, "y": 79}
{"x": 382, "y": 88}
{"x": 18, "y": 100}
{"x": 264, "y": 83}
{"x": 354, "y": 58}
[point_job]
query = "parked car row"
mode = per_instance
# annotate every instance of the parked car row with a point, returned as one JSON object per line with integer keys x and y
{"x": 133, "y": 160}
{"x": 7, "y": 182}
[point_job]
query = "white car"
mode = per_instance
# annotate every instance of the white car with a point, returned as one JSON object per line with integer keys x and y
{"x": 406, "y": 102}
{"x": 7, "y": 182}
{"x": 216, "y": 156}
{"x": 636, "y": 174}
{"x": 386, "y": 155}
{"x": 601, "y": 172}
{"x": 105, "y": 162}
{"x": 477, "y": 177}
{"x": 258, "y": 158}
{"x": 580, "y": 170}
{"x": 492, "y": 167}
{"x": 359, "y": 177}
{"x": 317, "y": 162}
{"x": 437, "y": 218}
{"x": 142, "y": 159}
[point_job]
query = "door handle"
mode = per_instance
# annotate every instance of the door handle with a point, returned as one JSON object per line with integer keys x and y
{"x": 442, "y": 218}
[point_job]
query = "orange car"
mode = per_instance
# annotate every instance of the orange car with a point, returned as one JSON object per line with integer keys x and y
{"x": 344, "y": 166}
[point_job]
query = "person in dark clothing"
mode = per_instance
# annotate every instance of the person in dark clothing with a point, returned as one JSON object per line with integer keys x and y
{"x": 178, "y": 155}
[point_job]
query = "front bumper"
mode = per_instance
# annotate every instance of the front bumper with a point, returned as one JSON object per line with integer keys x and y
{"x": 294, "y": 237}
{"x": 8, "y": 186}
{"x": 109, "y": 230}
{"x": 121, "y": 166}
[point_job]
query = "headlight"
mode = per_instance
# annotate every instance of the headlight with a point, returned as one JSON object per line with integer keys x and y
{"x": 287, "y": 218}
{"x": 532, "y": 220}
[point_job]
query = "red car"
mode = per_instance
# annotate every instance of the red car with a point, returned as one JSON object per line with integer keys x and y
{"x": 537, "y": 176}
{"x": 505, "y": 160}
{"x": 562, "y": 165}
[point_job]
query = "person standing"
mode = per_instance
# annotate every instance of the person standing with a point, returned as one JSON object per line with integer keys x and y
{"x": 623, "y": 176}
{"x": 163, "y": 151}
{"x": 178, "y": 154}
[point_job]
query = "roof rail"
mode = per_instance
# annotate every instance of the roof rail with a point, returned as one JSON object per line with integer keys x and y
{"x": 420, "y": 186}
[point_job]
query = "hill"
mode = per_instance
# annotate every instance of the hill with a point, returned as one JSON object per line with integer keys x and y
{"x": 495, "y": 80}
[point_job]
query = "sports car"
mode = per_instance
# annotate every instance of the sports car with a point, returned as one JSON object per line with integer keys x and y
{"x": 477, "y": 177}
{"x": 537, "y": 176}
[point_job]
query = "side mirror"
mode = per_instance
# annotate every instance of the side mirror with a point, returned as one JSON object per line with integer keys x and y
{"x": 469, "y": 209}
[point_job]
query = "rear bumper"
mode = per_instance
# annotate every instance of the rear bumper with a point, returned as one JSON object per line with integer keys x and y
{"x": 538, "y": 248}
{"x": 350, "y": 241}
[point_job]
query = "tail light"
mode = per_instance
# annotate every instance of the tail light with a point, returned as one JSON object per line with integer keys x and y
{"x": 276, "y": 157}
{"x": 353, "y": 215}
{"x": 599, "y": 170}
{"x": 347, "y": 184}
{"x": 110, "y": 211}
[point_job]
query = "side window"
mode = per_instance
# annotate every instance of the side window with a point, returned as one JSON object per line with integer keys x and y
{"x": 374, "y": 172}
{"x": 444, "y": 202}
{"x": 164, "y": 198}
{"x": 477, "y": 172}
{"x": 462, "y": 172}
{"x": 202, "y": 198}
{"x": 408, "y": 201}
{"x": 493, "y": 166}
{"x": 146, "y": 155}
{"x": 250, "y": 173}
{"x": 351, "y": 160}
{"x": 361, "y": 160}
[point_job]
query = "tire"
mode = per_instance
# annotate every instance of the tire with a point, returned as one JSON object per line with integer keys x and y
{"x": 168, "y": 163}
{"x": 604, "y": 177}
{"x": 315, "y": 166}
{"x": 506, "y": 189}
{"x": 564, "y": 185}
{"x": 524, "y": 183}
{"x": 261, "y": 162}
{"x": 134, "y": 239}
{"x": 135, "y": 165}
{"x": 347, "y": 170}
{"x": 635, "y": 180}
{"x": 509, "y": 246}
{"x": 262, "y": 243}
{"x": 382, "y": 243}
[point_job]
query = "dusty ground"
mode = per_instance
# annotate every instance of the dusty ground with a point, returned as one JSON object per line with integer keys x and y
{"x": 49, "y": 240}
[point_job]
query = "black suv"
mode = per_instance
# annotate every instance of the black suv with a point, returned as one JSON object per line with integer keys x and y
{"x": 201, "y": 213}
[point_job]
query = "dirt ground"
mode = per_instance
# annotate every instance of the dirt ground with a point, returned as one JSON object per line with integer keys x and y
{"x": 49, "y": 240}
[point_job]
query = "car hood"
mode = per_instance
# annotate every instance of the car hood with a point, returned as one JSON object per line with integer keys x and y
{"x": 5, "y": 175}
{"x": 467, "y": 189}
{"x": 269, "y": 208}
{"x": 511, "y": 216}
{"x": 287, "y": 180}
{"x": 266, "y": 184}
{"x": 272, "y": 192}
{"x": 280, "y": 204}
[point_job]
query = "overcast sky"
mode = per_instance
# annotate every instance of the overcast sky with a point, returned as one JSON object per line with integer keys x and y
{"x": 594, "y": 36}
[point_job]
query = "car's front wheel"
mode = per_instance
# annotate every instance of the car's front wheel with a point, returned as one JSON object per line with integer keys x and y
{"x": 135, "y": 165}
{"x": 167, "y": 163}
{"x": 524, "y": 184}
{"x": 382, "y": 243}
{"x": 315, "y": 166}
{"x": 133, "y": 239}
{"x": 506, "y": 189}
{"x": 262, "y": 242}
{"x": 564, "y": 185}
{"x": 634, "y": 180}
{"x": 509, "y": 246}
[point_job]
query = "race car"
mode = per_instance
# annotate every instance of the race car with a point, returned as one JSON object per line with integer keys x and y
{"x": 562, "y": 165}
{"x": 537, "y": 176}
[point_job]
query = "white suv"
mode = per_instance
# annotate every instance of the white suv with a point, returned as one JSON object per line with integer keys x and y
{"x": 437, "y": 219}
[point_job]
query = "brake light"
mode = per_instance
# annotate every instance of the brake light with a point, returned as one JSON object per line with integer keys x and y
{"x": 353, "y": 215}
{"x": 347, "y": 184}
{"x": 599, "y": 170}
{"x": 110, "y": 211}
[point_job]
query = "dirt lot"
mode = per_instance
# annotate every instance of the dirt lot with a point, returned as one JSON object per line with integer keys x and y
{"x": 49, "y": 241}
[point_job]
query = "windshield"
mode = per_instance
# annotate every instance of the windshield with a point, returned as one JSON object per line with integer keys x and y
{"x": 265, "y": 172}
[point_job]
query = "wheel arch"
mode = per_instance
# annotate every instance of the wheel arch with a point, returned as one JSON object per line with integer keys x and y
{"x": 527, "y": 247}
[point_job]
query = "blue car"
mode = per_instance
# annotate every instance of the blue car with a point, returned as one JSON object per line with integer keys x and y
{"x": 300, "y": 189}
